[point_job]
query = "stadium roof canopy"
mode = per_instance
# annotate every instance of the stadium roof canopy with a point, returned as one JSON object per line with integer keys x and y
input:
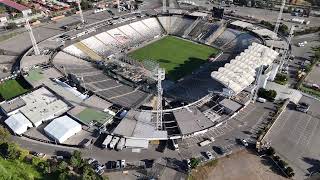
{"x": 139, "y": 125}
{"x": 62, "y": 128}
{"x": 242, "y": 24}
{"x": 191, "y": 120}
{"x": 266, "y": 33}
{"x": 240, "y": 72}
{"x": 18, "y": 123}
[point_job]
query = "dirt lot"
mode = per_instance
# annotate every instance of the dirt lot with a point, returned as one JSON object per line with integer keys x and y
{"x": 241, "y": 166}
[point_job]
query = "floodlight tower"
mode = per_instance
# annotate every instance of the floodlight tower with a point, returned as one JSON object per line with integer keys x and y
{"x": 164, "y": 6}
{"x": 286, "y": 49}
{"x": 80, "y": 11}
{"x": 255, "y": 92}
{"x": 160, "y": 77}
{"x": 118, "y": 2}
{"x": 276, "y": 28}
{"x": 33, "y": 40}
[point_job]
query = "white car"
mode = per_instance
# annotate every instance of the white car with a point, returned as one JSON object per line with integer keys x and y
{"x": 91, "y": 160}
{"x": 123, "y": 163}
{"x": 209, "y": 155}
{"x": 244, "y": 142}
{"x": 42, "y": 155}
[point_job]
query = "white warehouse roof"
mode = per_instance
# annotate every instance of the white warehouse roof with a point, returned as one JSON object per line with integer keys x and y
{"x": 18, "y": 123}
{"x": 240, "y": 72}
{"x": 62, "y": 128}
{"x": 42, "y": 105}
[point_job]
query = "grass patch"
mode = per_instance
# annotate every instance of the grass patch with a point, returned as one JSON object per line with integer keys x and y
{"x": 201, "y": 172}
{"x": 179, "y": 57}
{"x": 18, "y": 170}
{"x": 34, "y": 75}
{"x": 12, "y": 88}
{"x": 310, "y": 91}
{"x": 89, "y": 115}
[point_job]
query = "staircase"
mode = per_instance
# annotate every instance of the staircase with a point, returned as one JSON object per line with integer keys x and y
{"x": 217, "y": 33}
{"x": 189, "y": 29}
{"x": 162, "y": 27}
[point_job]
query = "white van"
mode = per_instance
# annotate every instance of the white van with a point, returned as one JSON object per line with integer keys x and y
{"x": 262, "y": 100}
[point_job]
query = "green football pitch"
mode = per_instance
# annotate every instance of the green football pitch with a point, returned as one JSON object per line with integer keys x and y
{"x": 179, "y": 57}
{"x": 12, "y": 88}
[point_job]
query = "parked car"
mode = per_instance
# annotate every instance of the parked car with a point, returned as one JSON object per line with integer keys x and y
{"x": 123, "y": 163}
{"x": 303, "y": 107}
{"x": 244, "y": 142}
{"x": 91, "y": 160}
{"x": 219, "y": 150}
{"x": 41, "y": 155}
{"x": 188, "y": 163}
{"x": 209, "y": 155}
{"x": 118, "y": 165}
{"x": 111, "y": 164}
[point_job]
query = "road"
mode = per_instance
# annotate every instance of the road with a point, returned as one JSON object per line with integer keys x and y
{"x": 301, "y": 54}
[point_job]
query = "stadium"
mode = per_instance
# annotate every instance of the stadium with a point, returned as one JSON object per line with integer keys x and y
{"x": 108, "y": 73}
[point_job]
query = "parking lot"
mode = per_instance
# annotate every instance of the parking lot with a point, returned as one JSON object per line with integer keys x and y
{"x": 244, "y": 125}
{"x": 295, "y": 136}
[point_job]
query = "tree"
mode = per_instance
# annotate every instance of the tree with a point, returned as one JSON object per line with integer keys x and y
{"x": 11, "y": 26}
{"x": 289, "y": 171}
{"x": 270, "y": 151}
{"x": 194, "y": 162}
{"x": 89, "y": 174}
{"x": 9, "y": 150}
{"x": 267, "y": 94}
{"x": 3, "y": 10}
{"x": 4, "y": 134}
{"x": 62, "y": 166}
{"x": 282, "y": 163}
{"x": 76, "y": 160}
{"x": 44, "y": 167}
{"x": 85, "y": 4}
{"x": 283, "y": 28}
{"x": 22, "y": 154}
{"x": 63, "y": 176}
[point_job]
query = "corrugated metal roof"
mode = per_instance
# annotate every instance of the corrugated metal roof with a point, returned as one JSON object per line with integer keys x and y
{"x": 14, "y": 5}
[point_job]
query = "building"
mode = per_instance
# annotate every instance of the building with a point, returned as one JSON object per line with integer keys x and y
{"x": 11, "y": 107}
{"x": 38, "y": 106}
{"x": 62, "y": 128}
{"x": 23, "y": 9}
{"x": 18, "y": 123}
{"x": 3, "y": 19}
